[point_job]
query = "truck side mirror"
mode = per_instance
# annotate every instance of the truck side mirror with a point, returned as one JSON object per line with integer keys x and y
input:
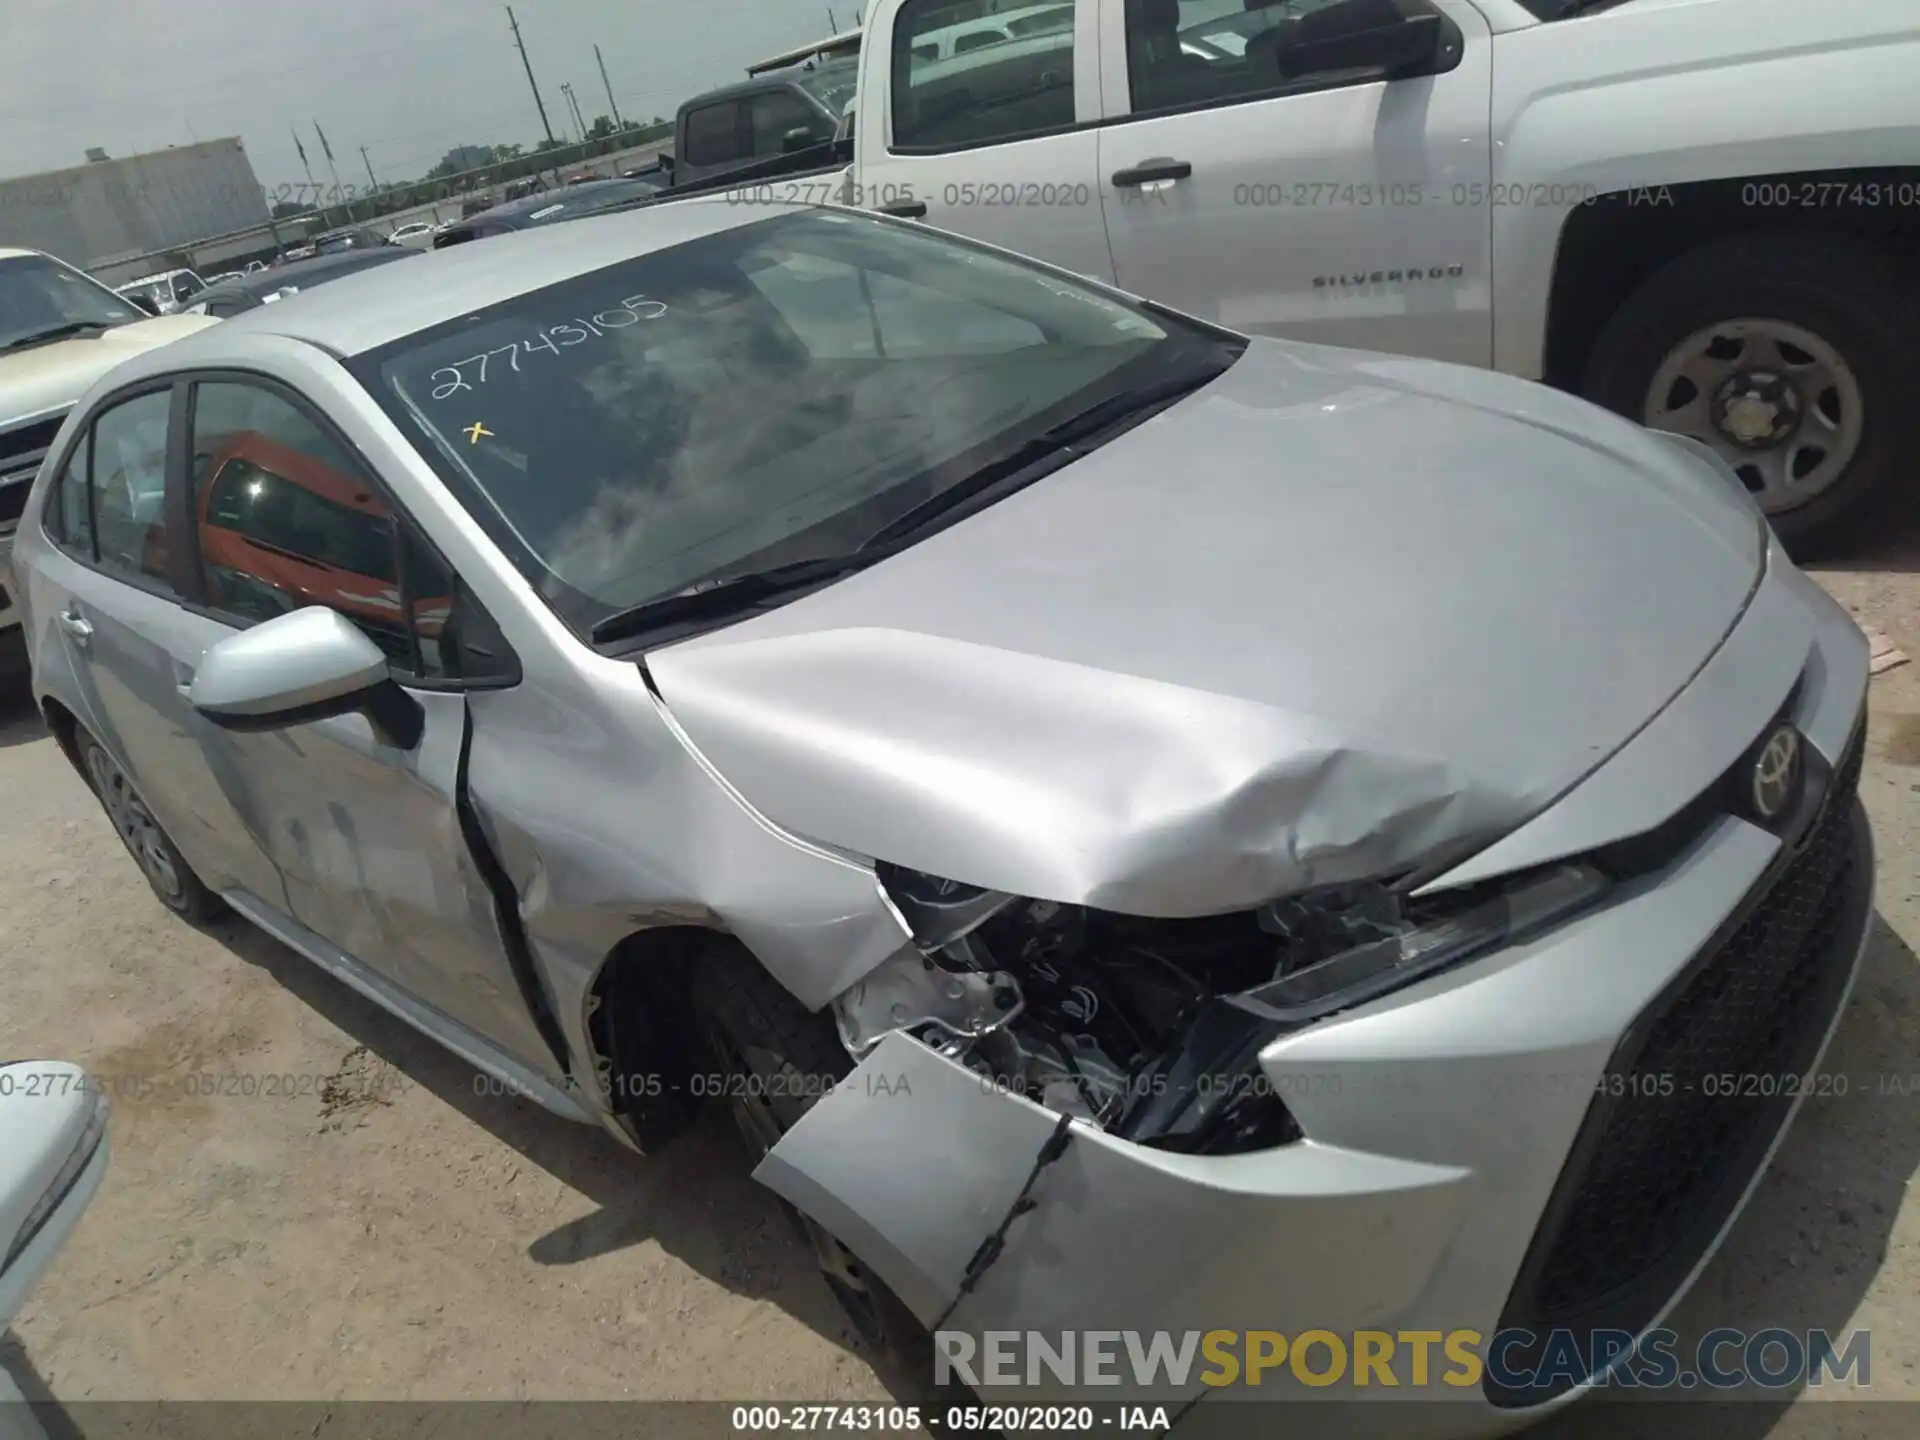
{"x": 1374, "y": 35}
{"x": 800, "y": 137}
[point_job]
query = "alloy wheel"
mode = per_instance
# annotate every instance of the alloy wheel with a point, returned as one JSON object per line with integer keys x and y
{"x": 761, "y": 1129}
{"x": 140, "y": 832}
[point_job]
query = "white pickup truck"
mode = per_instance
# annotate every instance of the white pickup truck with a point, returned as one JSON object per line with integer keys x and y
{"x": 1704, "y": 214}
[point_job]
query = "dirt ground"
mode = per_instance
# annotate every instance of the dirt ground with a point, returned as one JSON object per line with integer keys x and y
{"x": 389, "y": 1230}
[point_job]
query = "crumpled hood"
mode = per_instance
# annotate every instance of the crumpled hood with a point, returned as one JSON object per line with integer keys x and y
{"x": 1334, "y": 615}
{"x": 45, "y": 377}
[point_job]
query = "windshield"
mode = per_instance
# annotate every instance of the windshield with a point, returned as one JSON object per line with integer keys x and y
{"x": 39, "y": 295}
{"x": 777, "y": 392}
{"x": 832, "y": 85}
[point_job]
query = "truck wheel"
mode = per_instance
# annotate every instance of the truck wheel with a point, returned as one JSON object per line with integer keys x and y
{"x": 1791, "y": 356}
{"x": 167, "y": 871}
{"x": 781, "y": 1059}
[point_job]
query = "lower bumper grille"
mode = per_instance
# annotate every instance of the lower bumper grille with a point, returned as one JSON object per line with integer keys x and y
{"x": 1692, "y": 1100}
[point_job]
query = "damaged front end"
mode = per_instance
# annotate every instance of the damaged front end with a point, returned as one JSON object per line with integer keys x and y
{"x": 1151, "y": 1029}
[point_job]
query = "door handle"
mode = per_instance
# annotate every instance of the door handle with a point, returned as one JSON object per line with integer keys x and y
{"x": 78, "y": 628}
{"x": 1148, "y": 171}
{"x": 906, "y": 209}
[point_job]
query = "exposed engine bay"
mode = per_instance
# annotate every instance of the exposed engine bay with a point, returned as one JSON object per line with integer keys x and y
{"x": 1148, "y": 1028}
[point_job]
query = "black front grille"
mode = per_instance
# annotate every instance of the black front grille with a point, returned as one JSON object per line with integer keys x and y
{"x": 1691, "y": 1101}
{"x": 21, "y": 451}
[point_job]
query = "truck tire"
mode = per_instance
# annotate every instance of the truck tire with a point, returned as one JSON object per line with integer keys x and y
{"x": 167, "y": 871}
{"x": 779, "y": 1059}
{"x": 1792, "y": 356}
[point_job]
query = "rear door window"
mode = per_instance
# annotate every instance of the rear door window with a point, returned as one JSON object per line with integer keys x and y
{"x": 129, "y": 488}
{"x": 714, "y": 134}
{"x": 989, "y": 89}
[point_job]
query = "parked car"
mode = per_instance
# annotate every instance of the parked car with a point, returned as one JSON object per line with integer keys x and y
{"x": 1373, "y": 172}
{"x": 53, "y": 1155}
{"x": 568, "y": 204}
{"x": 417, "y": 235}
{"x": 1079, "y": 780}
{"x": 224, "y": 276}
{"x": 762, "y": 118}
{"x": 272, "y": 286}
{"x": 352, "y": 237}
{"x": 164, "y": 293}
{"x": 60, "y": 330}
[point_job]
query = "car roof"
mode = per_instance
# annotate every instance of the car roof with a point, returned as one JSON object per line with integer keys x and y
{"x": 760, "y": 84}
{"x": 383, "y": 303}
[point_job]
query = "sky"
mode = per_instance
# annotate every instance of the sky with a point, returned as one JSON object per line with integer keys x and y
{"x": 408, "y": 79}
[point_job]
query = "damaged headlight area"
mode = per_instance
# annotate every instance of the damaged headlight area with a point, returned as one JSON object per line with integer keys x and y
{"x": 1152, "y": 1029}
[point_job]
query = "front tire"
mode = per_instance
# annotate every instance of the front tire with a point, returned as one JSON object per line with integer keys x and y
{"x": 166, "y": 870}
{"x": 782, "y": 1058}
{"x": 1791, "y": 356}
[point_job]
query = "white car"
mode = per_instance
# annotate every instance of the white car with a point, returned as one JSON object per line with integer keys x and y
{"x": 417, "y": 235}
{"x": 165, "y": 292}
{"x": 53, "y": 1153}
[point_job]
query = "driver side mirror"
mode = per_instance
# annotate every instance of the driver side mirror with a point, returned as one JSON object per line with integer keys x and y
{"x": 309, "y": 665}
{"x": 800, "y": 137}
{"x": 145, "y": 304}
{"x": 1376, "y": 35}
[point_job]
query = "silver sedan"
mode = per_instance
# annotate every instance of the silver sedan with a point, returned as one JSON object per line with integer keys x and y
{"x": 1146, "y": 829}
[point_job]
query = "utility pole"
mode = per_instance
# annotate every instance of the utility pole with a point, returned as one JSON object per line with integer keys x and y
{"x": 832, "y": 29}
{"x": 539, "y": 104}
{"x": 372, "y": 180}
{"x": 618, "y": 123}
{"x": 579, "y": 120}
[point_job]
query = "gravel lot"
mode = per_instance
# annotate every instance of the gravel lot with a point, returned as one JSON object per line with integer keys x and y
{"x": 391, "y": 1231}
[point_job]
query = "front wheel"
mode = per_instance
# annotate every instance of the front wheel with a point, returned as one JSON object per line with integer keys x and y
{"x": 1789, "y": 355}
{"x": 779, "y": 1058}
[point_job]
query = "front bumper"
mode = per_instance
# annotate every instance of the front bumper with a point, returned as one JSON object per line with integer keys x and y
{"x": 1536, "y": 1139}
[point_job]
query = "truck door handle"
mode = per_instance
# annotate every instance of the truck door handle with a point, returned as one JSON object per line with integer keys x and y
{"x": 1147, "y": 171}
{"x": 77, "y": 627}
{"x": 906, "y": 209}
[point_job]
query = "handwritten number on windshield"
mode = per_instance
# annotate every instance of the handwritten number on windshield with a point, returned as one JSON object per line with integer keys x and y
{"x": 475, "y": 370}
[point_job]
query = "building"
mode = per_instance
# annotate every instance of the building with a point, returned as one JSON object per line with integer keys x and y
{"x": 109, "y": 211}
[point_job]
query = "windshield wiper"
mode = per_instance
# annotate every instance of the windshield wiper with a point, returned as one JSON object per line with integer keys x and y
{"x": 706, "y": 598}
{"x": 56, "y": 332}
{"x": 1057, "y": 444}
{"x": 1024, "y": 464}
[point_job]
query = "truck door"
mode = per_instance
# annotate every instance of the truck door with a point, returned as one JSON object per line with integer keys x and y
{"x": 1257, "y": 170}
{"x": 990, "y": 139}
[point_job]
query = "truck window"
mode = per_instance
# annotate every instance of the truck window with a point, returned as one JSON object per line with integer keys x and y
{"x": 776, "y": 112}
{"x": 1006, "y": 89}
{"x": 713, "y": 135}
{"x": 1182, "y": 54}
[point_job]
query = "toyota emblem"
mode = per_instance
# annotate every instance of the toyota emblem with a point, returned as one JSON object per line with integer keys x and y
{"x": 1776, "y": 773}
